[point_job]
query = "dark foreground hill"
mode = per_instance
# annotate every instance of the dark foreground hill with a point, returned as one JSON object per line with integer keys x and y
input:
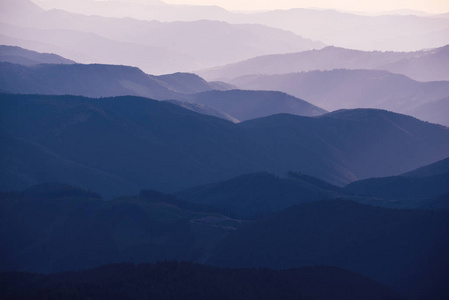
{"x": 120, "y": 145}
{"x": 171, "y": 280}
{"x": 404, "y": 249}
{"x": 55, "y": 227}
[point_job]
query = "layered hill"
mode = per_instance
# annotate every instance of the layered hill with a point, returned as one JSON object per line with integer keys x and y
{"x": 343, "y": 88}
{"x": 255, "y": 195}
{"x": 426, "y": 65}
{"x": 413, "y": 244}
{"x": 388, "y": 31}
{"x": 399, "y": 30}
{"x": 151, "y": 144}
{"x": 110, "y": 80}
{"x": 359, "y": 134}
{"x": 156, "y": 47}
{"x": 401, "y": 187}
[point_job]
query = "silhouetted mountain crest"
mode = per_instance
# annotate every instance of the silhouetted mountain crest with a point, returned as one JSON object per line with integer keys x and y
{"x": 17, "y": 55}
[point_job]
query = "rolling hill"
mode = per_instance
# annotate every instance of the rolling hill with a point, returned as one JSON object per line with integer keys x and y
{"x": 152, "y": 144}
{"x": 360, "y": 135}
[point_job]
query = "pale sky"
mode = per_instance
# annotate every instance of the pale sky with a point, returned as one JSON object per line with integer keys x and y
{"x": 431, "y": 6}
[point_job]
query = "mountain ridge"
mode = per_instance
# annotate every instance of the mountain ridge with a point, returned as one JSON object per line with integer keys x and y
{"x": 332, "y": 57}
{"x": 343, "y": 88}
{"x": 170, "y": 148}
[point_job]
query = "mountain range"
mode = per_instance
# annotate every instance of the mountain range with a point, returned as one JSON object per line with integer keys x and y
{"x": 282, "y": 169}
{"x": 258, "y": 194}
{"x": 153, "y": 46}
{"x": 400, "y": 30}
{"x": 425, "y": 65}
{"x": 343, "y": 88}
{"x": 102, "y": 38}
{"x": 111, "y": 80}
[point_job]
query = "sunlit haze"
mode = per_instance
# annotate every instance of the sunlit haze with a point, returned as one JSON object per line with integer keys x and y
{"x": 432, "y": 6}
